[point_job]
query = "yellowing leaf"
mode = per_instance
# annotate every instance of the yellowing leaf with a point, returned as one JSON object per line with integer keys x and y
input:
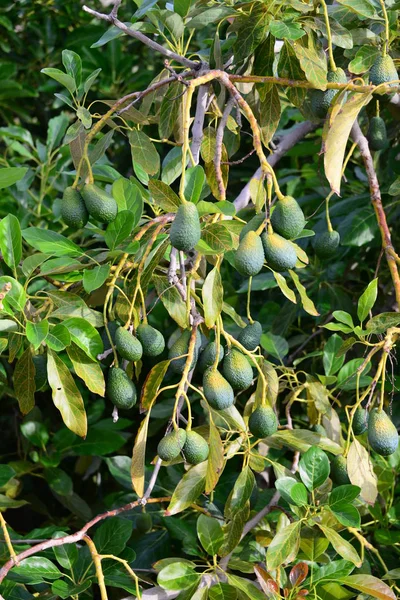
{"x": 307, "y": 303}
{"x": 361, "y": 472}
{"x": 213, "y": 294}
{"x": 152, "y": 384}
{"x": 188, "y": 489}
{"x": 342, "y": 546}
{"x": 284, "y": 547}
{"x": 285, "y": 289}
{"x": 138, "y": 457}
{"x": 87, "y": 369}
{"x": 215, "y": 461}
{"x": 368, "y": 584}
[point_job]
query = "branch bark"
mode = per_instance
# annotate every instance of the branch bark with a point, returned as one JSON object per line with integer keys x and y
{"x": 387, "y": 246}
{"x": 198, "y": 123}
{"x": 218, "y": 147}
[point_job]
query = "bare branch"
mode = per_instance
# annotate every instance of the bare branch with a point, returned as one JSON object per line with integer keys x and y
{"x": 198, "y": 123}
{"x": 218, "y": 147}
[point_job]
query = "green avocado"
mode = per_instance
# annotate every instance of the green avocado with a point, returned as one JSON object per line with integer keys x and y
{"x": 287, "y": 218}
{"x": 144, "y": 522}
{"x": 99, "y": 204}
{"x": 237, "y": 370}
{"x": 73, "y": 209}
{"x": 321, "y": 100}
{"x": 376, "y": 135}
{"x": 252, "y": 225}
{"x": 171, "y": 445}
{"x": 250, "y": 336}
{"x": 360, "y": 421}
{"x": 218, "y": 392}
{"x": 382, "y": 433}
{"x": 128, "y": 346}
{"x": 180, "y": 348}
{"x": 249, "y": 257}
{"x": 263, "y": 422}
{"x": 120, "y": 389}
{"x": 280, "y": 254}
{"x": 195, "y": 449}
{"x": 339, "y": 470}
{"x": 152, "y": 340}
{"x": 185, "y": 230}
{"x": 207, "y": 356}
{"x": 383, "y": 70}
{"x": 326, "y": 244}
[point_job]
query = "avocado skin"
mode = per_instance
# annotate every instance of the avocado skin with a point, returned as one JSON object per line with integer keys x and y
{"x": 280, "y": 254}
{"x": 263, "y": 422}
{"x": 237, "y": 370}
{"x": 144, "y": 523}
{"x": 339, "y": 470}
{"x": 218, "y": 392}
{"x": 252, "y": 225}
{"x": 120, "y": 389}
{"x": 128, "y": 345}
{"x": 99, "y": 204}
{"x": 326, "y": 244}
{"x": 207, "y": 356}
{"x": 196, "y": 448}
{"x": 383, "y": 70}
{"x": 185, "y": 230}
{"x": 250, "y": 336}
{"x": 152, "y": 340}
{"x": 360, "y": 421}
{"x": 171, "y": 445}
{"x": 288, "y": 219}
{"x": 73, "y": 209}
{"x": 377, "y": 135}
{"x": 382, "y": 433}
{"x": 180, "y": 347}
{"x": 321, "y": 100}
{"x": 249, "y": 257}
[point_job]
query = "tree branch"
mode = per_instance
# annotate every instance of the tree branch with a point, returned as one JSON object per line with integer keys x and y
{"x": 362, "y": 143}
{"x": 198, "y": 123}
{"x": 218, "y": 147}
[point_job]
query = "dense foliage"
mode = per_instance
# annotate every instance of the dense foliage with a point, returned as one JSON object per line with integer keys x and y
{"x": 198, "y": 380}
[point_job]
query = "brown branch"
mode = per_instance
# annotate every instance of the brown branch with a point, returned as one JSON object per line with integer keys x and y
{"x": 198, "y": 123}
{"x": 362, "y": 143}
{"x": 218, "y": 147}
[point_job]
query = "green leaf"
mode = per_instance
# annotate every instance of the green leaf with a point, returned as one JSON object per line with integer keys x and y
{"x": 37, "y": 332}
{"x": 213, "y": 295}
{"x": 381, "y": 323}
{"x": 188, "y": 489}
{"x": 270, "y": 113}
{"x": 144, "y": 152}
{"x": 195, "y": 179}
{"x": 10, "y": 241}
{"x": 283, "y": 286}
{"x": 87, "y": 369}
{"x": 275, "y": 345}
{"x": 66, "y": 80}
{"x": 94, "y": 278}
{"x": 215, "y": 239}
{"x": 113, "y": 535}
{"x": 241, "y": 492}
{"x": 246, "y": 586}
{"x": 303, "y": 439}
{"x": 66, "y": 395}
{"x": 210, "y": 15}
{"x": 172, "y": 301}
{"x": 59, "y": 481}
{"x": 170, "y": 110}
{"x": 364, "y": 8}
{"x": 73, "y": 65}
{"x": 342, "y": 546}
{"x": 332, "y": 363}
{"x": 37, "y": 569}
{"x": 58, "y": 338}
{"x": 364, "y": 59}
{"x": 346, "y": 514}
{"x": 85, "y": 336}
{"x": 66, "y": 555}
{"x": 234, "y": 529}
{"x": 36, "y": 433}
{"x": 222, "y": 207}
{"x": 334, "y": 570}
{"x": 164, "y": 196}
{"x": 284, "y": 546}
{"x": 286, "y": 30}
{"x": 343, "y": 317}
{"x": 343, "y": 493}
{"x": 313, "y": 64}
{"x": 10, "y": 175}
{"x": 50, "y": 242}
{"x": 210, "y": 534}
{"x": 6, "y": 473}
{"x": 367, "y": 584}
{"x": 177, "y": 576}
{"x": 67, "y": 589}
{"x": 119, "y": 229}
{"x": 24, "y": 382}
{"x": 314, "y": 468}
{"x": 251, "y": 29}
{"x": 292, "y": 491}
{"x": 128, "y": 197}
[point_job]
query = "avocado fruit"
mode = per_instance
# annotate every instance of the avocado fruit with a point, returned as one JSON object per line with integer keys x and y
{"x": 249, "y": 257}
{"x": 360, "y": 421}
{"x": 171, "y": 445}
{"x": 127, "y": 345}
{"x": 339, "y": 473}
{"x": 377, "y": 135}
{"x": 250, "y": 336}
{"x": 383, "y": 70}
{"x": 321, "y": 100}
{"x": 208, "y": 355}
{"x": 144, "y": 522}
{"x": 120, "y": 389}
{"x": 218, "y": 392}
{"x": 280, "y": 254}
{"x": 185, "y": 230}
{"x": 326, "y": 244}
{"x": 263, "y": 422}
{"x": 100, "y": 205}
{"x": 237, "y": 370}
{"x": 382, "y": 433}
{"x": 180, "y": 348}
{"x": 152, "y": 340}
{"x": 252, "y": 225}
{"x": 73, "y": 209}
{"x": 195, "y": 449}
{"x": 287, "y": 219}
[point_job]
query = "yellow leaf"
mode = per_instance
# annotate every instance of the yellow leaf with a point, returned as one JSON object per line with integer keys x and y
{"x": 138, "y": 457}
{"x": 361, "y": 473}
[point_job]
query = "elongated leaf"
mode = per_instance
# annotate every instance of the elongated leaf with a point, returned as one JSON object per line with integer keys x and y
{"x": 361, "y": 472}
{"x": 50, "y": 242}
{"x": 215, "y": 461}
{"x": 138, "y": 457}
{"x": 367, "y": 300}
{"x": 314, "y": 468}
{"x": 94, "y": 278}
{"x": 10, "y": 241}
{"x": 284, "y": 547}
{"x": 342, "y": 546}
{"x": 66, "y": 395}
{"x": 85, "y": 336}
{"x": 37, "y": 332}
{"x": 66, "y": 80}
{"x": 241, "y": 492}
{"x": 285, "y": 289}
{"x": 119, "y": 230}
{"x": 152, "y": 384}
{"x": 24, "y": 382}
{"x": 209, "y": 532}
{"x": 10, "y": 175}
{"x": 164, "y": 196}
{"x": 368, "y": 584}
{"x": 188, "y": 489}
{"x": 213, "y": 295}
{"x": 144, "y": 152}
{"x": 172, "y": 301}
{"x": 307, "y": 303}
{"x": 87, "y": 369}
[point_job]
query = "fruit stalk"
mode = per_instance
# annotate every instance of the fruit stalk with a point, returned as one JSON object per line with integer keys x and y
{"x": 328, "y": 35}
{"x": 385, "y": 48}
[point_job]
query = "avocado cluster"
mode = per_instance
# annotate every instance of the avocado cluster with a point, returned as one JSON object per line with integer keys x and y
{"x": 78, "y": 206}
{"x": 179, "y": 441}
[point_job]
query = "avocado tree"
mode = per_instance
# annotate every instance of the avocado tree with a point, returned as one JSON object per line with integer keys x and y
{"x": 198, "y": 369}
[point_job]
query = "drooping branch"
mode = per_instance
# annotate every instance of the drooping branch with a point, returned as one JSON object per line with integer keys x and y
{"x": 387, "y": 246}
